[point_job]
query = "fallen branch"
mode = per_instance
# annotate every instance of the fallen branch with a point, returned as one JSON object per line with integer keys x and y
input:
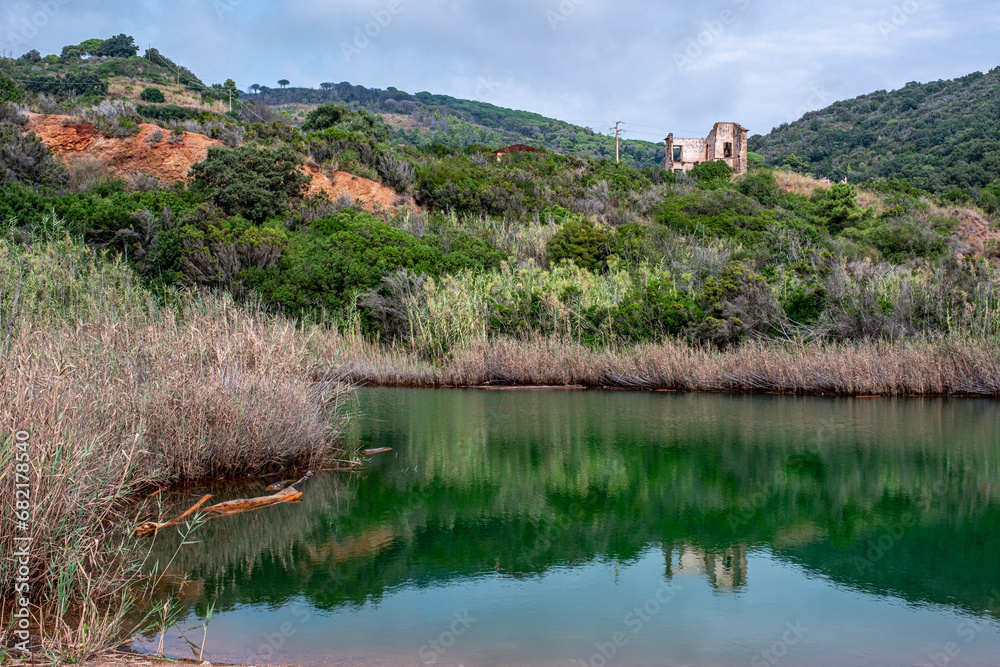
{"x": 151, "y": 526}
{"x": 231, "y": 507}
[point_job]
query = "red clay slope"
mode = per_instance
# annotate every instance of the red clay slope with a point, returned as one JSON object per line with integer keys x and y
{"x": 170, "y": 161}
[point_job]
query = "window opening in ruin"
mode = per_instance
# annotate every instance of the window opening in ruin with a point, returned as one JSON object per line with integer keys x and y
{"x": 677, "y": 153}
{"x": 728, "y": 150}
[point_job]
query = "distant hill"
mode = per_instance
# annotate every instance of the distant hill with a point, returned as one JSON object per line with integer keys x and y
{"x": 940, "y": 136}
{"x": 423, "y": 119}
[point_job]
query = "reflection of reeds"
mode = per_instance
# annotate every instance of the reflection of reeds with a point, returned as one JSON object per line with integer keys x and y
{"x": 120, "y": 394}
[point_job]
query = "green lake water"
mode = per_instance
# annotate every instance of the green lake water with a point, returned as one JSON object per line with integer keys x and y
{"x": 614, "y": 528}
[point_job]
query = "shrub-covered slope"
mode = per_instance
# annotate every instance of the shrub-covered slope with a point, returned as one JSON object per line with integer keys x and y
{"x": 939, "y": 136}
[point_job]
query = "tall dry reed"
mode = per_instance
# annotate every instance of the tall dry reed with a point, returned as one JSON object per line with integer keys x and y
{"x": 938, "y": 367}
{"x": 119, "y": 395}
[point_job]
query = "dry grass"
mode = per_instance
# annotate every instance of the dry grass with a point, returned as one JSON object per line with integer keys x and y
{"x": 130, "y": 89}
{"x": 939, "y": 368}
{"x": 119, "y": 395}
{"x": 797, "y": 183}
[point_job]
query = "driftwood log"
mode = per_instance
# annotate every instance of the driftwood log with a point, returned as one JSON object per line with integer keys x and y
{"x": 229, "y": 507}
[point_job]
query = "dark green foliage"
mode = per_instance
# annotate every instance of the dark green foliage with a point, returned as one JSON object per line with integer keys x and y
{"x": 154, "y": 95}
{"x": 257, "y": 183}
{"x": 761, "y": 186}
{"x": 901, "y": 238}
{"x": 30, "y": 58}
{"x": 578, "y": 240}
{"x": 167, "y": 112}
{"x": 120, "y": 46}
{"x": 939, "y": 136}
{"x": 804, "y": 304}
{"x": 350, "y": 253}
{"x": 91, "y": 46}
{"x": 654, "y": 312}
{"x": 25, "y": 159}
{"x": 218, "y": 252}
{"x": 9, "y": 92}
{"x": 837, "y": 208}
{"x": 77, "y": 81}
{"x": 332, "y": 116}
{"x": 71, "y": 53}
{"x": 738, "y": 303}
{"x": 456, "y": 123}
{"x": 712, "y": 173}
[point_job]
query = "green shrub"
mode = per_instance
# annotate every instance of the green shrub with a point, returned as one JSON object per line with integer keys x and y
{"x": 837, "y": 208}
{"x": 9, "y": 92}
{"x": 120, "y": 46}
{"x": 349, "y": 253}
{"x": 256, "y": 183}
{"x": 167, "y": 112}
{"x": 653, "y": 311}
{"x": 153, "y": 95}
{"x": 762, "y": 186}
{"x": 578, "y": 240}
{"x": 341, "y": 118}
{"x": 25, "y": 159}
{"x": 712, "y": 173}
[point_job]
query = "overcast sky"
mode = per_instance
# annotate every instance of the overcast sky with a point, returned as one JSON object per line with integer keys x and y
{"x": 658, "y": 66}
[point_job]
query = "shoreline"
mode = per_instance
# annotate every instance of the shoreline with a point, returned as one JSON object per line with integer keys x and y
{"x": 937, "y": 368}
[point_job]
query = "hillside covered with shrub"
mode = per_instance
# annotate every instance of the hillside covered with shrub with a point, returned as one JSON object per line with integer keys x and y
{"x": 424, "y": 119}
{"x": 534, "y": 246}
{"x": 942, "y": 136}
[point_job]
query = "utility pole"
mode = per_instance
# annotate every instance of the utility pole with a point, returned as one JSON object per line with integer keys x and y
{"x": 618, "y": 133}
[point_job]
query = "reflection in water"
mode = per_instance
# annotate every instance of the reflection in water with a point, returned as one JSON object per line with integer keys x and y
{"x": 552, "y": 513}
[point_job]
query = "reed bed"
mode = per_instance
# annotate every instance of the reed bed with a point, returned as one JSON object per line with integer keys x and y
{"x": 918, "y": 368}
{"x": 121, "y": 395}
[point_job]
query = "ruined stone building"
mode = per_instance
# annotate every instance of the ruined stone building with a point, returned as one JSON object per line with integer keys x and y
{"x": 727, "y": 142}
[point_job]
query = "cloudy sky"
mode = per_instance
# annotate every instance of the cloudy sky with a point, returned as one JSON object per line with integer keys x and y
{"x": 658, "y": 66}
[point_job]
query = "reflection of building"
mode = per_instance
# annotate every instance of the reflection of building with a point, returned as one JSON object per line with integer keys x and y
{"x": 726, "y": 569}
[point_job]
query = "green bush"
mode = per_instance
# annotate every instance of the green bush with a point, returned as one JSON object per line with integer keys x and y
{"x": 712, "y": 173}
{"x": 153, "y": 95}
{"x": 167, "y": 112}
{"x": 9, "y": 92}
{"x": 837, "y": 208}
{"x": 120, "y": 46}
{"x": 653, "y": 312}
{"x": 578, "y": 240}
{"x": 25, "y": 159}
{"x": 762, "y": 186}
{"x": 341, "y": 118}
{"x": 256, "y": 183}
{"x": 349, "y": 253}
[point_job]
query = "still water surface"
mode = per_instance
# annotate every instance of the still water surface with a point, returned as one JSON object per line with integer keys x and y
{"x": 603, "y": 528}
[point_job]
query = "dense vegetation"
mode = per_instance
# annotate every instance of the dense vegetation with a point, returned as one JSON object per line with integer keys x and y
{"x": 424, "y": 119}
{"x": 529, "y": 245}
{"x": 240, "y": 298}
{"x": 940, "y": 136}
